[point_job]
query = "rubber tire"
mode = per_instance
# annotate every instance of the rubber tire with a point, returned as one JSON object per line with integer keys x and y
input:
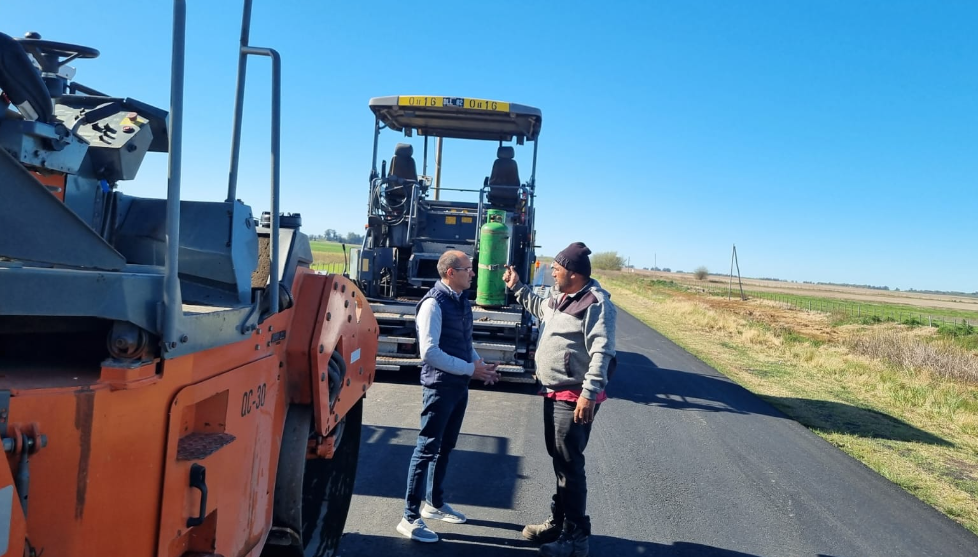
{"x": 327, "y": 489}
{"x": 313, "y": 496}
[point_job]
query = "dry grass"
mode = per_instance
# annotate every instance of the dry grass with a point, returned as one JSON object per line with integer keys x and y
{"x": 914, "y": 354}
{"x": 327, "y": 258}
{"x": 898, "y": 399}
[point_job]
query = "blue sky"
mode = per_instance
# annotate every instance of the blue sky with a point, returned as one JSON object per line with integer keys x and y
{"x": 830, "y": 141}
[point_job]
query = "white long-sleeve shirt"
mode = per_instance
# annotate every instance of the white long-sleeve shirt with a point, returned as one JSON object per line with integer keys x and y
{"x": 429, "y": 333}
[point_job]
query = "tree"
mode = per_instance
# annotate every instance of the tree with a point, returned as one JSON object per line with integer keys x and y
{"x": 607, "y": 261}
{"x": 701, "y": 273}
{"x": 330, "y": 235}
{"x": 353, "y": 238}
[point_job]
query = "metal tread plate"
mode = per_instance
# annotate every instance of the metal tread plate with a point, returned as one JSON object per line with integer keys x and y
{"x": 493, "y": 345}
{"x": 508, "y": 371}
{"x": 388, "y": 315}
{"x": 398, "y": 339}
{"x": 475, "y": 343}
{"x": 390, "y": 360}
{"x": 407, "y": 311}
{"x": 198, "y": 445}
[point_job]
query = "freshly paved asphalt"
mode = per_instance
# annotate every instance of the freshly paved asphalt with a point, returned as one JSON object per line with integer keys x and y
{"x": 682, "y": 462}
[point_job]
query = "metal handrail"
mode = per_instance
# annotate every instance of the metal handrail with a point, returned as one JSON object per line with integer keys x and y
{"x": 276, "y": 148}
{"x": 172, "y": 297}
{"x": 244, "y": 51}
{"x": 239, "y": 102}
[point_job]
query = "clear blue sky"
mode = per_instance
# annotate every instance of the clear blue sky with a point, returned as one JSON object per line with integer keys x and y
{"x": 830, "y": 141}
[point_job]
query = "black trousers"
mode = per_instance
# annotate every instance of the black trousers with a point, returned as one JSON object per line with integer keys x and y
{"x": 566, "y": 442}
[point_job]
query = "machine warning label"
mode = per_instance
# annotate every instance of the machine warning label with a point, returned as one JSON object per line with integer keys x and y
{"x": 354, "y": 356}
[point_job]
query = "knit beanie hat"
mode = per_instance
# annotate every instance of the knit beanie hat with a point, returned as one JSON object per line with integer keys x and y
{"x": 574, "y": 258}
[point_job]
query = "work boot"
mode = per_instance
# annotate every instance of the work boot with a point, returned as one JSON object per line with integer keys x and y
{"x": 568, "y": 544}
{"x": 547, "y": 532}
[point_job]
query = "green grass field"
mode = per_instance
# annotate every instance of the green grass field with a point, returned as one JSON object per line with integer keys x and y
{"x": 328, "y": 256}
{"x": 327, "y": 247}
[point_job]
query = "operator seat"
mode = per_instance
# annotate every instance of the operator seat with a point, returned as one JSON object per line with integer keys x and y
{"x": 402, "y": 169}
{"x": 504, "y": 180}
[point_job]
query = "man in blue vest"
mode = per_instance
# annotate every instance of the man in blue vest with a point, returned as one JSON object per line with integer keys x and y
{"x": 444, "y": 322}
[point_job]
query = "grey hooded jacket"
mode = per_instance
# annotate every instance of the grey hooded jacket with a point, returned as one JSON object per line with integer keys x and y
{"x": 576, "y": 349}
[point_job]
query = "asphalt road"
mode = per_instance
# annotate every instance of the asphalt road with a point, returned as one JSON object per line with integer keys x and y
{"x": 682, "y": 462}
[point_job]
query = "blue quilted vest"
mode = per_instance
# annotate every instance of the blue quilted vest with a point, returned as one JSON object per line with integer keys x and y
{"x": 456, "y": 334}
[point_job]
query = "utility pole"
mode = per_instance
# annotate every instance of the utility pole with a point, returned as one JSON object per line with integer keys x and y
{"x": 437, "y": 168}
{"x": 734, "y": 260}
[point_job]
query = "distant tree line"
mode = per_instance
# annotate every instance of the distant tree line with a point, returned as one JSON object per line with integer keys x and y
{"x": 869, "y": 286}
{"x": 332, "y": 236}
{"x": 611, "y": 261}
{"x": 872, "y": 287}
{"x": 949, "y": 292}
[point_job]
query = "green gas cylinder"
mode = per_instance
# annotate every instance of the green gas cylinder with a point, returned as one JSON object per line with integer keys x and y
{"x": 493, "y": 252}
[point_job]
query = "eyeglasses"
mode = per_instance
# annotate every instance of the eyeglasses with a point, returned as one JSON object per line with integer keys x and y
{"x": 466, "y": 269}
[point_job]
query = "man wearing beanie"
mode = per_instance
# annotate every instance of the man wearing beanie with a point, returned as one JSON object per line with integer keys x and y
{"x": 574, "y": 358}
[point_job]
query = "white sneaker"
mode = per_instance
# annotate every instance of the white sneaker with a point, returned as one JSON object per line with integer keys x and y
{"x": 444, "y": 514}
{"x": 417, "y": 531}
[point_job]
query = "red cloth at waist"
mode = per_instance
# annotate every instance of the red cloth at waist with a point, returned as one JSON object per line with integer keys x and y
{"x": 572, "y": 395}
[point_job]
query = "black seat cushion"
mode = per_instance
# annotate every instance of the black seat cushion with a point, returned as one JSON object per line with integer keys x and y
{"x": 402, "y": 168}
{"x": 402, "y": 163}
{"x": 505, "y": 172}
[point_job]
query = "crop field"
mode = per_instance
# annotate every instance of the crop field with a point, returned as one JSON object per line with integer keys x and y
{"x": 328, "y": 256}
{"x": 914, "y": 301}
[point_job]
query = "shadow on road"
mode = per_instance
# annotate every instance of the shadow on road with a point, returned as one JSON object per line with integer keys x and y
{"x": 639, "y": 380}
{"x": 354, "y": 544}
{"x": 451, "y": 544}
{"x": 838, "y": 417}
{"x": 604, "y": 546}
{"x": 393, "y": 446}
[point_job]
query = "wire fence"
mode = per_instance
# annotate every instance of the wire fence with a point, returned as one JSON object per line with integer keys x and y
{"x": 857, "y": 310}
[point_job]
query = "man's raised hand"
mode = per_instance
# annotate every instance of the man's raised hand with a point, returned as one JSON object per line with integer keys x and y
{"x": 511, "y": 277}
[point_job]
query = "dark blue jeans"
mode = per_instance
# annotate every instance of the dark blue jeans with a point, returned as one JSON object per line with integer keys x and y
{"x": 442, "y": 410}
{"x": 566, "y": 442}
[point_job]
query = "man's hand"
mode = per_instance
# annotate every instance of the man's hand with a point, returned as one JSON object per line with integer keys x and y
{"x": 485, "y": 372}
{"x": 584, "y": 413}
{"x": 511, "y": 277}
